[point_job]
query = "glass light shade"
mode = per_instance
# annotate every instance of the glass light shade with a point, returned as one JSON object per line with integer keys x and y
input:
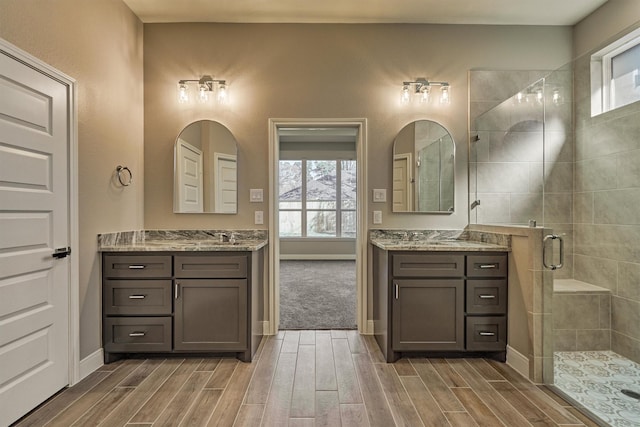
{"x": 425, "y": 94}
{"x": 222, "y": 93}
{"x": 203, "y": 93}
{"x": 405, "y": 95}
{"x": 445, "y": 95}
{"x": 183, "y": 93}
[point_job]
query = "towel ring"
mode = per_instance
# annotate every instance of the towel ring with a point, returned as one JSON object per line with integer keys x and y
{"x": 124, "y": 180}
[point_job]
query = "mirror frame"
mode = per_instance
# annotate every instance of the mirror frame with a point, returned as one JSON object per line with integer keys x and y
{"x": 414, "y": 177}
{"x": 202, "y": 157}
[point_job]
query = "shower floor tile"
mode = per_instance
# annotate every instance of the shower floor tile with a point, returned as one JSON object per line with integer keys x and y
{"x": 595, "y": 380}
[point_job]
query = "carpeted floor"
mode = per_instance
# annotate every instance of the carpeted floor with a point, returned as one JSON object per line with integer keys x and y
{"x": 317, "y": 294}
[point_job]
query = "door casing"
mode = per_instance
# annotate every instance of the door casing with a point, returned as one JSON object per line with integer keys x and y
{"x": 271, "y": 326}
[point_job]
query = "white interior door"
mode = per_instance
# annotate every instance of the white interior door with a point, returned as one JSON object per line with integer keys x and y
{"x": 226, "y": 183}
{"x": 34, "y": 221}
{"x": 190, "y": 180}
{"x": 402, "y": 196}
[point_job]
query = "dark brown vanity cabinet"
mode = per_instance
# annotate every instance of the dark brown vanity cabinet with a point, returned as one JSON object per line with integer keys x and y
{"x": 439, "y": 302}
{"x": 182, "y": 303}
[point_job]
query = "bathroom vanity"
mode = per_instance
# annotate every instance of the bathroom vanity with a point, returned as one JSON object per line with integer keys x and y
{"x": 190, "y": 295}
{"x": 439, "y": 297}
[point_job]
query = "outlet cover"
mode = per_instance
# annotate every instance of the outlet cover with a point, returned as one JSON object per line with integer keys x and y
{"x": 377, "y": 217}
{"x": 379, "y": 195}
{"x": 258, "y": 217}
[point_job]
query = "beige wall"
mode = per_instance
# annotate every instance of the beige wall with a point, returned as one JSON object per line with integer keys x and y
{"x": 603, "y": 24}
{"x": 98, "y": 43}
{"x": 321, "y": 71}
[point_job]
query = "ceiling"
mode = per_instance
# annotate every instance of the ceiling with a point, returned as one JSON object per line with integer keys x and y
{"x": 488, "y": 12}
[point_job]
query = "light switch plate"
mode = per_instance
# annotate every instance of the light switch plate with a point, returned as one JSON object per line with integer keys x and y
{"x": 258, "y": 217}
{"x": 255, "y": 195}
{"x": 379, "y": 195}
{"x": 377, "y": 217}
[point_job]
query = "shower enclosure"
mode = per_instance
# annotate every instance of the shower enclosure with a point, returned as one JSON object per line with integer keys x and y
{"x": 538, "y": 158}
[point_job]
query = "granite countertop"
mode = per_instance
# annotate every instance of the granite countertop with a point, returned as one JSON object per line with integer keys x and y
{"x": 436, "y": 240}
{"x": 182, "y": 241}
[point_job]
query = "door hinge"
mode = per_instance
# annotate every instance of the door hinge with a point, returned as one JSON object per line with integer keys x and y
{"x": 61, "y": 252}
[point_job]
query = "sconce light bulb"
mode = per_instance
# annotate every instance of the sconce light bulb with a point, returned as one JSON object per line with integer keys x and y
{"x": 425, "y": 94}
{"x": 445, "y": 97}
{"x": 405, "y": 95}
{"x": 556, "y": 96}
{"x": 183, "y": 93}
{"x": 203, "y": 93}
{"x": 222, "y": 93}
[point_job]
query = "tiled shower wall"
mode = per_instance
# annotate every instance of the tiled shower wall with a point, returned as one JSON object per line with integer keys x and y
{"x": 607, "y": 209}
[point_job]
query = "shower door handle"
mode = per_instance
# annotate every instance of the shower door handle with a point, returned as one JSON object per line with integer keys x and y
{"x": 553, "y": 237}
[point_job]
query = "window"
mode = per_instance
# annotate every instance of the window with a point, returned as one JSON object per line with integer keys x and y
{"x": 615, "y": 79}
{"x": 317, "y": 198}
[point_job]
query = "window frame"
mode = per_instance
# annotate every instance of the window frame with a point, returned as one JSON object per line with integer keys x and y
{"x": 601, "y": 76}
{"x": 304, "y": 210}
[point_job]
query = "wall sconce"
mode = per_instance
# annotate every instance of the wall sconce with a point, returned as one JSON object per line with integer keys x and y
{"x": 422, "y": 89}
{"x": 204, "y": 89}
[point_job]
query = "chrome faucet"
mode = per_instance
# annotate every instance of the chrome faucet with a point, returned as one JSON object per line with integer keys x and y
{"x": 414, "y": 236}
{"x": 228, "y": 238}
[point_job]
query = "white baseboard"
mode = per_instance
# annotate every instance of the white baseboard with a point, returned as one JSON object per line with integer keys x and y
{"x": 317, "y": 257}
{"x": 369, "y": 328}
{"x": 518, "y": 361}
{"x": 91, "y": 363}
{"x": 265, "y": 327}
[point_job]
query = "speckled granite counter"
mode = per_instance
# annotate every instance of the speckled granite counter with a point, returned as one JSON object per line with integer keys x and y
{"x": 182, "y": 240}
{"x": 438, "y": 240}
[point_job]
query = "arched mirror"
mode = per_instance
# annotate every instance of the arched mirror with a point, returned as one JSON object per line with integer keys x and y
{"x": 423, "y": 168}
{"x": 205, "y": 169}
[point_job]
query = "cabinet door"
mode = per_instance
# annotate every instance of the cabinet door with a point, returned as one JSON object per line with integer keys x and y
{"x": 428, "y": 314}
{"x": 210, "y": 315}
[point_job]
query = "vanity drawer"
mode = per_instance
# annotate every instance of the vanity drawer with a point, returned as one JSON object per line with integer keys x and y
{"x": 486, "y": 296}
{"x": 487, "y": 265}
{"x": 137, "y": 297}
{"x": 421, "y": 265}
{"x": 129, "y": 334}
{"x": 137, "y": 266}
{"x": 486, "y": 333}
{"x": 222, "y": 266}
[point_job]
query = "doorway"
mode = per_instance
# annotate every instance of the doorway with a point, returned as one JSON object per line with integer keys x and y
{"x": 344, "y": 135}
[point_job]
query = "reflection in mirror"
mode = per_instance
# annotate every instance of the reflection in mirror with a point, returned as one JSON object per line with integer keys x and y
{"x": 423, "y": 168}
{"x": 205, "y": 169}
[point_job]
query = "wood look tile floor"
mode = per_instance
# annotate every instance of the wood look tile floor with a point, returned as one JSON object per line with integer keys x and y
{"x": 307, "y": 378}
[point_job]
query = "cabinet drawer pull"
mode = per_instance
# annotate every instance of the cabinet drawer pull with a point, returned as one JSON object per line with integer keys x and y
{"x": 137, "y": 267}
{"x": 176, "y": 291}
{"x": 487, "y": 266}
{"x": 137, "y": 334}
{"x": 397, "y": 290}
{"x": 137, "y": 296}
{"x": 486, "y": 334}
{"x": 486, "y": 296}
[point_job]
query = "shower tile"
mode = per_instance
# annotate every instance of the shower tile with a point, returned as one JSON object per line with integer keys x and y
{"x": 626, "y": 346}
{"x": 536, "y": 177}
{"x": 503, "y": 177}
{"x": 596, "y": 174}
{"x": 516, "y": 147}
{"x": 625, "y": 317}
{"x": 628, "y": 169}
{"x": 629, "y": 280}
{"x": 477, "y": 109}
{"x": 583, "y": 207}
{"x": 558, "y": 177}
{"x": 576, "y": 311}
{"x": 593, "y": 339}
{"x": 565, "y": 340}
{"x": 605, "y": 311}
{"x": 617, "y": 207}
{"x": 596, "y": 271}
{"x": 493, "y": 85}
{"x": 559, "y": 146}
{"x": 494, "y": 208}
{"x": 557, "y": 208}
{"x": 525, "y": 207}
{"x": 615, "y": 242}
